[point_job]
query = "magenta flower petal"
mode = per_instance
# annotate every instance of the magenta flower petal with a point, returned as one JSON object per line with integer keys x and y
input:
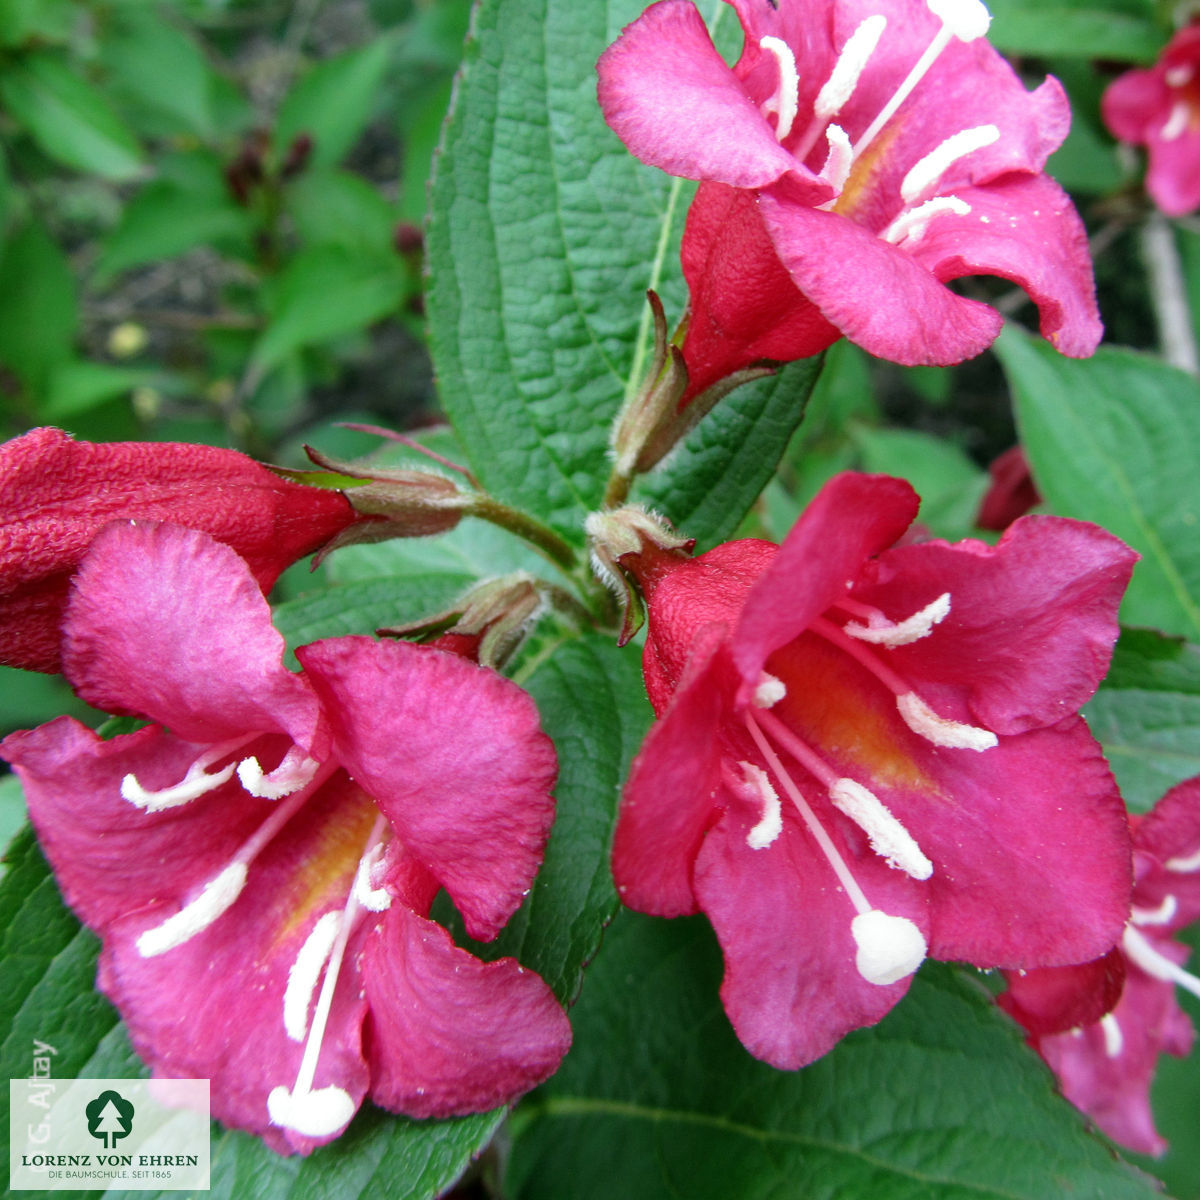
{"x": 690, "y": 116}
{"x": 1167, "y": 840}
{"x": 167, "y": 623}
{"x": 472, "y": 801}
{"x": 1029, "y": 633}
{"x": 790, "y": 1008}
{"x": 1058, "y": 999}
{"x": 448, "y": 1033}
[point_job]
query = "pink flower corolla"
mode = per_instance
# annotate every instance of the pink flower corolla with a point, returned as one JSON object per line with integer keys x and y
{"x": 859, "y": 155}
{"x": 1159, "y": 108}
{"x": 1012, "y": 492}
{"x": 260, "y": 864}
{"x": 1105, "y": 1061}
{"x": 867, "y": 755}
{"x": 57, "y": 493}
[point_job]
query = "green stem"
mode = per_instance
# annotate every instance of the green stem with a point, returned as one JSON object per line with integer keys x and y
{"x": 556, "y": 549}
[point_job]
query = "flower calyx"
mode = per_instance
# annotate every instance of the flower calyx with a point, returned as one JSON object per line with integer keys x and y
{"x": 486, "y": 625}
{"x": 631, "y": 549}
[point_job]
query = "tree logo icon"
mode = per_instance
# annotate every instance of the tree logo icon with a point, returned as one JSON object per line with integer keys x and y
{"x": 109, "y": 1117}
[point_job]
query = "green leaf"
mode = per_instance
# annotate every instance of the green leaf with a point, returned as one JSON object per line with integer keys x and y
{"x": 159, "y": 70}
{"x": 79, "y": 386}
{"x": 542, "y": 238}
{"x": 657, "y": 1098}
{"x": 339, "y": 208}
{"x": 324, "y": 293}
{"x": 334, "y": 101}
{"x": 1123, "y": 30}
{"x": 1115, "y": 439}
{"x": 707, "y": 486}
{"x": 70, "y": 120}
{"x": 1147, "y": 715}
{"x": 24, "y": 21}
{"x": 37, "y": 305}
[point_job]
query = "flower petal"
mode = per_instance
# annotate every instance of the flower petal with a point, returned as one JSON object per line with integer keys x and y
{"x": 671, "y": 98}
{"x": 453, "y": 755}
{"x": 1170, "y": 835}
{"x": 1049, "y": 1000}
{"x": 1032, "y": 620}
{"x": 167, "y": 623}
{"x": 874, "y": 292}
{"x": 449, "y": 1034}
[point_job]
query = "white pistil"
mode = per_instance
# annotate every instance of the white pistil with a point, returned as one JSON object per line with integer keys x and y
{"x": 305, "y": 974}
{"x": 372, "y": 898}
{"x": 887, "y": 835}
{"x": 193, "y": 785}
{"x": 843, "y": 79}
{"x": 1184, "y": 865}
{"x": 320, "y": 1112}
{"x": 881, "y": 632}
{"x": 769, "y": 691}
{"x": 293, "y": 773}
{"x": 786, "y": 96}
{"x": 1161, "y": 915}
{"x": 215, "y": 898}
{"x": 954, "y": 735}
{"x": 924, "y": 176}
{"x": 1114, "y": 1040}
{"x": 1155, "y": 964}
{"x": 1177, "y": 123}
{"x": 770, "y": 824}
{"x": 889, "y": 947}
{"x": 911, "y": 225}
{"x": 964, "y": 19}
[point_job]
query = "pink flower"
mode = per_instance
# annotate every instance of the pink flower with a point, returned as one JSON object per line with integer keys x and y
{"x": 1105, "y": 1060}
{"x": 1012, "y": 492}
{"x": 1160, "y": 109}
{"x": 859, "y": 155}
{"x": 57, "y": 493}
{"x": 261, "y": 875}
{"x": 865, "y": 755}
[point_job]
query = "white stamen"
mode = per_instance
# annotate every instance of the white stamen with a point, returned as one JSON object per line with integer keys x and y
{"x": 889, "y": 948}
{"x": 786, "y": 96}
{"x": 887, "y": 835}
{"x": 194, "y": 784}
{"x": 1178, "y": 76}
{"x": 1155, "y": 964}
{"x": 293, "y": 773}
{"x": 923, "y": 177}
{"x": 966, "y": 19}
{"x": 770, "y": 824}
{"x": 1184, "y": 865}
{"x": 314, "y": 1114}
{"x": 954, "y": 735}
{"x": 882, "y": 632}
{"x": 1161, "y": 915}
{"x": 217, "y": 896}
{"x": 305, "y": 974}
{"x": 372, "y": 898}
{"x": 1114, "y": 1041}
{"x": 1177, "y": 122}
{"x": 769, "y": 691}
{"x": 912, "y": 225}
{"x": 848, "y": 69}
{"x": 838, "y": 162}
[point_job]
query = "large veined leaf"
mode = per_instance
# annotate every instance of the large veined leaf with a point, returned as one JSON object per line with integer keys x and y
{"x": 1115, "y": 439}
{"x": 544, "y": 235}
{"x": 658, "y": 1098}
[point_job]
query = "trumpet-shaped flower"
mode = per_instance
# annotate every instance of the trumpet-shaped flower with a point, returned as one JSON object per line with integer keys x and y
{"x": 1105, "y": 1059}
{"x": 1159, "y": 108}
{"x": 870, "y": 753}
{"x": 858, "y": 156}
{"x": 57, "y": 493}
{"x": 261, "y": 862}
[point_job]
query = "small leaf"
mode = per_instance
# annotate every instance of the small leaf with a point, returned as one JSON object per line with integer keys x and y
{"x": 1115, "y": 439}
{"x": 70, "y": 120}
{"x": 77, "y": 387}
{"x": 657, "y": 1098}
{"x": 338, "y": 208}
{"x": 1147, "y": 715}
{"x": 334, "y": 101}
